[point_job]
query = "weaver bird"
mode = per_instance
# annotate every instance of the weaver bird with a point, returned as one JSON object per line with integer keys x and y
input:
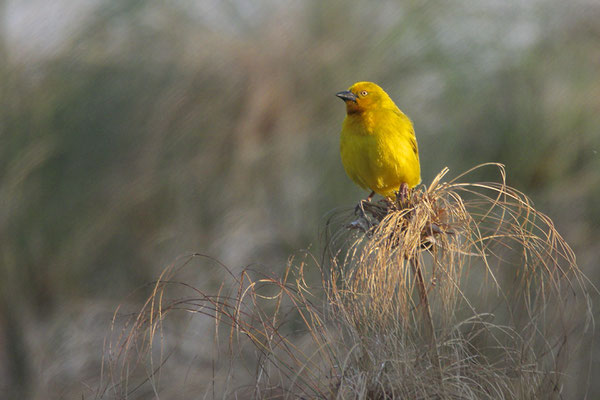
{"x": 377, "y": 144}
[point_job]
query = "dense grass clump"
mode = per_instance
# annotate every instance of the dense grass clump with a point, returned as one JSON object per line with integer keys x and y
{"x": 457, "y": 290}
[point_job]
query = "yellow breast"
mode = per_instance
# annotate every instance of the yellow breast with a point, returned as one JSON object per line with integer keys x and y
{"x": 379, "y": 151}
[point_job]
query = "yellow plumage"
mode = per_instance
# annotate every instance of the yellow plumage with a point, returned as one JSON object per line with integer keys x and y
{"x": 378, "y": 145}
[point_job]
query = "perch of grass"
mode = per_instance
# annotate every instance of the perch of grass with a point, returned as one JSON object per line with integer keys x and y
{"x": 462, "y": 290}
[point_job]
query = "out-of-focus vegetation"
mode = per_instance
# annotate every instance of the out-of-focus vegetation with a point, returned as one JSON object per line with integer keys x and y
{"x": 155, "y": 129}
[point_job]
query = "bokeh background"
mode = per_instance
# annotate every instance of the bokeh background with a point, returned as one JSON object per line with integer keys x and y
{"x": 133, "y": 132}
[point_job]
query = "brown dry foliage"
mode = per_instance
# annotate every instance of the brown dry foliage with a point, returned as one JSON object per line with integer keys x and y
{"x": 461, "y": 290}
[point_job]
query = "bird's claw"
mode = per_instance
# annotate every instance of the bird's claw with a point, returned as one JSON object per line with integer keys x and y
{"x": 402, "y": 195}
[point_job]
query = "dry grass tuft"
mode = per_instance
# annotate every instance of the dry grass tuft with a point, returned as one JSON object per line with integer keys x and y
{"x": 460, "y": 290}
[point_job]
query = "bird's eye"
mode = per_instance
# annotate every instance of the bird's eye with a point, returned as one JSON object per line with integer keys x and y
{"x": 364, "y": 93}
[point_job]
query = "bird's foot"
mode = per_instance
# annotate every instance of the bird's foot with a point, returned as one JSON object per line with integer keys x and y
{"x": 369, "y": 197}
{"x": 402, "y": 195}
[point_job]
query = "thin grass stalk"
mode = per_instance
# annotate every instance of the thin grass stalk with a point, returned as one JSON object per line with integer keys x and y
{"x": 427, "y": 317}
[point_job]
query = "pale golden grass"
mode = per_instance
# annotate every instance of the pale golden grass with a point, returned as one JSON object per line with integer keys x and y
{"x": 459, "y": 291}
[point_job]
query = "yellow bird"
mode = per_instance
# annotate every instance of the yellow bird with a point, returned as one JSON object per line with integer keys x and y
{"x": 377, "y": 144}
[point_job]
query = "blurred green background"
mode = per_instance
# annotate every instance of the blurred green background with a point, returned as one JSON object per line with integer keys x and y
{"x": 133, "y": 132}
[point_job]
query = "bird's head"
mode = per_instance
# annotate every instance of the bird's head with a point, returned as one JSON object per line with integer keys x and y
{"x": 364, "y": 96}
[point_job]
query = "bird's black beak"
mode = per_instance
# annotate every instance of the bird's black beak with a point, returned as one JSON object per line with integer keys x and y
{"x": 346, "y": 95}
